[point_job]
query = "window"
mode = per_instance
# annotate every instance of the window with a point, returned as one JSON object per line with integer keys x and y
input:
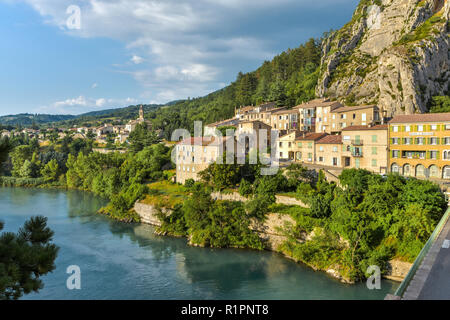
{"x": 299, "y": 144}
{"x": 335, "y": 149}
{"x": 334, "y": 117}
{"x": 420, "y": 141}
{"x": 204, "y": 150}
{"x": 446, "y": 140}
{"x": 320, "y": 159}
{"x": 434, "y": 141}
{"x": 447, "y": 127}
{"x": 374, "y": 150}
{"x": 310, "y": 145}
{"x": 281, "y": 154}
{"x": 374, "y": 138}
{"x": 357, "y": 163}
{"x": 433, "y": 155}
{"x": 433, "y": 127}
{"x": 320, "y": 148}
{"x": 408, "y": 128}
{"x": 395, "y": 153}
{"x": 281, "y": 144}
{"x": 395, "y": 128}
{"x": 407, "y": 140}
{"x": 374, "y": 162}
{"x": 420, "y": 128}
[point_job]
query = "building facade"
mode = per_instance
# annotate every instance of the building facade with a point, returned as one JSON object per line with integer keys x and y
{"x": 366, "y": 147}
{"x": 420, "y": 145}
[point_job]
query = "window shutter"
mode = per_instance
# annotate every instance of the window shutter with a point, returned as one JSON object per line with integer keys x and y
{"x": 437, "y": 155}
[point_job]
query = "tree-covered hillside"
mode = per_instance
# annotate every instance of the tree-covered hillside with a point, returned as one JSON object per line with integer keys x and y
{"x": 288, "y": 79}
{"x": 28, "y": 119}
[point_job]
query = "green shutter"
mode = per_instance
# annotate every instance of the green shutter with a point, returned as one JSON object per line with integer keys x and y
{"x": 437, "y": 155}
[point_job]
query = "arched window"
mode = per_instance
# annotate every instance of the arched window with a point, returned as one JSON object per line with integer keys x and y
{"x": 420, "y": 171}
{"x": 434, "y": 171}
{"x": 406, "y": 170}
{"x": 395, "y": 168}
{"x": 446, "y": 172}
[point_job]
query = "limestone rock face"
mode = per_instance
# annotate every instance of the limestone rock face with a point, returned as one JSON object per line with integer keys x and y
{"x": 394, "y": 53}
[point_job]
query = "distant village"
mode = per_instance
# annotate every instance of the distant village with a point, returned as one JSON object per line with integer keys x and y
{"x": 101, "y": 134}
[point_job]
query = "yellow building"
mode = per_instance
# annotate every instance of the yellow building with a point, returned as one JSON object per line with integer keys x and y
{"x": 420, "y": 145}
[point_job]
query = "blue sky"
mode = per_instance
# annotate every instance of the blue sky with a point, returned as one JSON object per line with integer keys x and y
{"x": 144, "y": 51}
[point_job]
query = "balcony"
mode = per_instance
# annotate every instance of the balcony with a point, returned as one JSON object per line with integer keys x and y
{"x": 357, "y": 154}
{"x": 357, "y": 142}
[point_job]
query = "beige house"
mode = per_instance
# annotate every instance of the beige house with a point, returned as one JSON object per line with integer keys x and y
{"x": 344, "y": 117}
{"x": 305, "y": 147}
{"x": 366, "y": 147}
{"x": 286, "y": 145}
{"x": 194, "y": 155}
{"x": 323, "y": 108}
{"x": 329, "y": 151}
{"x": 285, "y": 120}
{"x": 257, "y": 127}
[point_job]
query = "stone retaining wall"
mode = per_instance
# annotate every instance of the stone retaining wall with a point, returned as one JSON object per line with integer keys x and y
{"x": 237, "y": 197}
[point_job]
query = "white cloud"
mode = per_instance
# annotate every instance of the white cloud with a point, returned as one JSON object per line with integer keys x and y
{"x": 188, "y": 43}
{"x": 137, "y": 60}
{"x": 83, "y": 104}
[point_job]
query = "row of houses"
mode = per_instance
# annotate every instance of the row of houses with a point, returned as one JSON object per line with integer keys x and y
{"x": 327, "y": 134}
{"x": 121, "y": 132}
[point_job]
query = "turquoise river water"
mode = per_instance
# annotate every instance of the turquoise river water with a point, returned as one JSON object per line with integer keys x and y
{"x": 127, "y": 261}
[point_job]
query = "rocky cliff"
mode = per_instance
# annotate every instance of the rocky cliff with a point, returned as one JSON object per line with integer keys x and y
{"x": 394, "y": 53}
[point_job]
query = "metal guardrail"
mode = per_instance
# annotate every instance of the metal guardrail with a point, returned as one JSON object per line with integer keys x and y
{"x": 405, "y": 283}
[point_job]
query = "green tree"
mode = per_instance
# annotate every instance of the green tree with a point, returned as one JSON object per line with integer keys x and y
{"x": 142, "y": 137}
{"x": 25, "y": 257}
{"x": 5, "y": 149}
{"x": 18, "y": 157}
{"x": 51, "y": 171}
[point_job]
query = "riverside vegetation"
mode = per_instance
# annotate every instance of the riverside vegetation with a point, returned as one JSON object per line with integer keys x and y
{"x": 365, "y": 220}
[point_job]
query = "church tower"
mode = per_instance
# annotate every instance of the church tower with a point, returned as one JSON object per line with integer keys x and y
{"x": 141, "y": 113}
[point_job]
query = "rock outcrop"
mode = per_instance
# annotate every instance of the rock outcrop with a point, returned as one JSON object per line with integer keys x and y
{"x": 394, "y": 53}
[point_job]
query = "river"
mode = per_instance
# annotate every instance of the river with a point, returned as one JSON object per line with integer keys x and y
{"x": 127, "y": 261}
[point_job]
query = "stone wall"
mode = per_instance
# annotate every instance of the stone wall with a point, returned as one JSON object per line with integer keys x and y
{"x": 237, "y": 197}
{"x": 147, "y": 213}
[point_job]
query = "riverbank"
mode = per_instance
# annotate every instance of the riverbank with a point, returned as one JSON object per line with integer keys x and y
{"x": 274, "y": 232}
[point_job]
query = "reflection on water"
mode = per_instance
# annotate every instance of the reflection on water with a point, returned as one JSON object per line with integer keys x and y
{"x": 127, "y": 261}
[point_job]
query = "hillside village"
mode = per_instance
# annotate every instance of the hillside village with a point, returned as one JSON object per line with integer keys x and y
{"x": 324, "y": 134}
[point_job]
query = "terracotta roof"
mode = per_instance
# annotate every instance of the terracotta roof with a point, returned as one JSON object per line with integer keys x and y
{"x": 215, "y": 124}
{"x": 426, "y": 117}
{"x": 286, "y": 111}
{"x": 359, "y": 128}
{"x": 312, "y": 136}
{"x": 319, "y": 103}
{"x": 332, "y": 139}
{"x": 354, "y": 108}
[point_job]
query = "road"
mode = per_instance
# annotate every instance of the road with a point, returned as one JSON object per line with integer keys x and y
{"x": 437, "y": 284}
